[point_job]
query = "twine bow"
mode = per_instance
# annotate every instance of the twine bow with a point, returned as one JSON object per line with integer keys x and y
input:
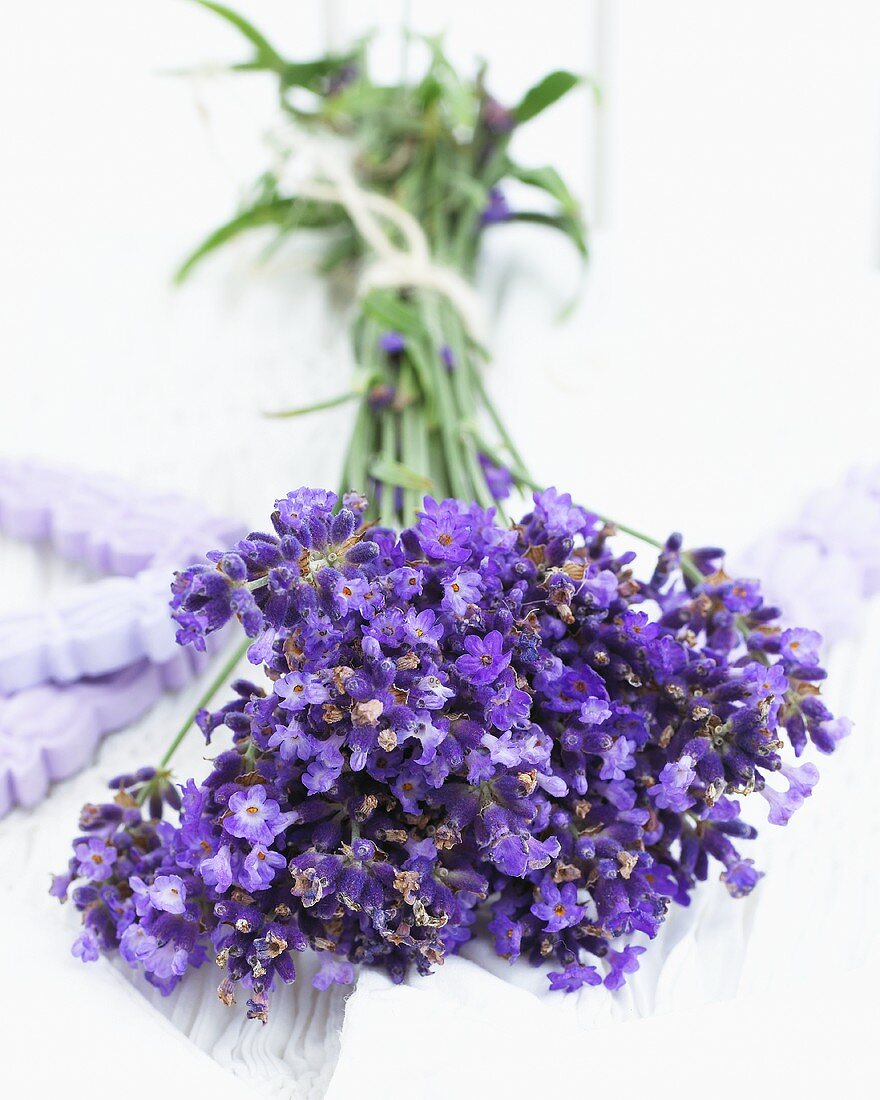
{"x": 374, "y": 216}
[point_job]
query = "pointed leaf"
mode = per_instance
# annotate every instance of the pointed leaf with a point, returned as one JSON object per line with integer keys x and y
{"x": 270, "y": 213}
{"x": 266, "y": 53}
{"x": 572, "y": 227}
{"x": 546, "y": 92}
{"x": 549, "y": 181}
{"x": 395, "y": 473}
{"x": 318, "y": 406}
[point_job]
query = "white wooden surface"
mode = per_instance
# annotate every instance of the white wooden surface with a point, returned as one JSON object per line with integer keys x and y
{"x": 721, "y": 361}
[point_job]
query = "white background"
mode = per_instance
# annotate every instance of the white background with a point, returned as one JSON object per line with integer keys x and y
{"x": 722, "y": 359}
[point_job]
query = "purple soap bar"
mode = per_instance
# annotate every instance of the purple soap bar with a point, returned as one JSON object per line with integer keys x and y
{"x": 50, "y": 732}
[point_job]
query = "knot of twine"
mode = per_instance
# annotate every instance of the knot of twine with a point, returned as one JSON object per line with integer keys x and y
{"x": 375, "y": 217}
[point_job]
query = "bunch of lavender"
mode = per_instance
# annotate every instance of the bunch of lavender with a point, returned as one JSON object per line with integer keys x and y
{"x": 457, "y": 717}
{"x": 439, "y": 149}
{"x": 461, "y": 716}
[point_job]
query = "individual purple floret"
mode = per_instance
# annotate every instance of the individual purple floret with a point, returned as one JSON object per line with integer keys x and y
{"x": 496, "y": 209}
{"x": 498, "y": 478}
{"x": 392, "y": 343}
{"x": 463, "y": 716}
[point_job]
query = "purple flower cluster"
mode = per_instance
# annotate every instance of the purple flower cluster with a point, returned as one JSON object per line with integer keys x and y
{"x": 461, "y": 717}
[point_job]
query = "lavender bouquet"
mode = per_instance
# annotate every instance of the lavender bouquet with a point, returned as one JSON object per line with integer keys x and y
{"x": 458, "y": 725}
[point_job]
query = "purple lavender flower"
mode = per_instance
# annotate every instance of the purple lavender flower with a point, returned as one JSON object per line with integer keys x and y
{"x": 260, "y": 867}
{"x": 299, "y": 690}
{"x": 508, "y": 934}
{"x": 333, "y": 971}
{"x": 671, "y": 791}
{"x": 422, "y": 628}
{"x": 498, "y": 478}
{"x": 801, "y": 781}
{"x": 463, "y": 716}
{"x": 558, "y": 908}
{"x": 618, "y": 759}
{"x": 622, "y": 963}
{"x": 392, "y": 343}
{"x": 741, "y": 877}
{"x": 216, "y": 870}
{"x": 447, "y": 357}
{"x": 168, "y": 894}
{"x": 741, "y": 596}
{"x": 496, "y": 209}
{"x": 460, "y": 590}
{"x": 443, "y": 532}
{"x": 497, "y": 118}
{"x": 573, "y": 977}
{"x": 253, "y": 816}
{"x": 508, "y": 705}
{"x": 484, "y": 659}
{"x": 95, "y": 858}
{"x": 801, "y": 647}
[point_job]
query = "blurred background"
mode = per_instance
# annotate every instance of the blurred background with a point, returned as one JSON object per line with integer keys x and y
{"x": 722, "y": 355}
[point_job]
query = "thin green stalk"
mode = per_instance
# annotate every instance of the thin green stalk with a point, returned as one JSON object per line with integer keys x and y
{"x": 387, "y": 508}
{"x": 354, "y": 471}
{"x": 412, "y": 427}
{"x": 458, "y": 475}
{"x": 318, "y": 406}
{"x": 497, "y": 422}
{"x": 212, "y": 689}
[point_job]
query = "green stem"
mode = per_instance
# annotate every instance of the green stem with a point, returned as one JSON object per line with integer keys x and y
{"x": 388, "y": 509}
{"x": 212, "y": 689}
{"x": 465, "y": 398}
{"x": 304, "y": 410}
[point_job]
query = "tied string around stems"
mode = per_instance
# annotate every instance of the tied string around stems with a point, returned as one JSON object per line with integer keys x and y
{"x": 376, "y": 217}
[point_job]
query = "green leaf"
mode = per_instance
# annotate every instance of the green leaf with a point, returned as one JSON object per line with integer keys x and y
{"x": 345, "y": 250}
{"x": 271, "y": 213}
{"x": 392, "y": 472}
{"x": 418, "y": 359}
{"x": 318, "y": 406}
{"x": 549, "y": 181}
{"x": 474, "y": 192}
{"x": 545, "y": 93}
{"x": 389, "y": 310}
{"x": 287, "y": 214}
{"x": 302, "y": 74}
{"x": 309, "y": 74}
{"x": 267, "y": 56}
{"x": 573, "y": 228}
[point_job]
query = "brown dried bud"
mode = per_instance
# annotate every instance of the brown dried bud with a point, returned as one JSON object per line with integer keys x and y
{"x": 529, "y": 780}
{"x": 566, "y": 872}
{"x": 366, "y": 808}
{"x": 387, "y": 740}
{"x": 368, "y": 713}
{"x": 275, "y": 945}
{"x": 627, "y": 862}
{"x": 341, "y": 674}
{"x": 292, "y": 651}
{"x": 407, "y": 884}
